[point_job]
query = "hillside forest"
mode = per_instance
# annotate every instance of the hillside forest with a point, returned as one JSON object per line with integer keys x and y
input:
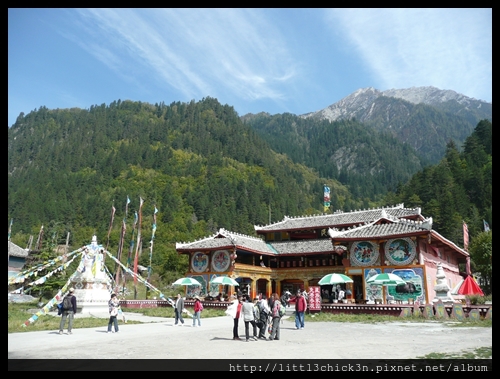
{"x": 198, "y": 167}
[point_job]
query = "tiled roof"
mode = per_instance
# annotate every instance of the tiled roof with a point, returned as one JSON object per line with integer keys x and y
{"x": 17, "y": 251}
{"x": 303, "y": 246}
{"x": 339, "y": 218}
{"x": 225, "y": 239}
{"x": 381, "y": 230}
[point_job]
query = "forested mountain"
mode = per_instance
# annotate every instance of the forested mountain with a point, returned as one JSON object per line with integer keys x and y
{"x": 459, "y": 189}
{"x": 369, "y": 162}
{"x": 426, "y": 118}
{"x": 203, "y": 168}
{"x": 197, "y": 163}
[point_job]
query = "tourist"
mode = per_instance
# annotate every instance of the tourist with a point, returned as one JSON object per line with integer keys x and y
{"x": 234, "y": 310}
{"x": 114, "y": 306}
{"x": 198, "y": 307}
{"x": 264, "y": 316}
{"x": 179, "y": 307}
{"x": 275, "y": 314}
{"x": 300, "y": 308}
{"x": 248, "y": 318}
{"x": 68, "y": 313}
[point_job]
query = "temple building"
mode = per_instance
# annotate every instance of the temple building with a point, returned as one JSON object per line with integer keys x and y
{"x": 297, "y": 252}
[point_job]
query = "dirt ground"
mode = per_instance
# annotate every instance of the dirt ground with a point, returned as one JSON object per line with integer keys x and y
{"x": 160, "y": 339}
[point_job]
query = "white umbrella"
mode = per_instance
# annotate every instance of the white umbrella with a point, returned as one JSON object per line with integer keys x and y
{"x": 385, "y": 279}
{"x": 224, "y": 280}
{"x": 186, "y": 282}
{"x": 334, "y": 279}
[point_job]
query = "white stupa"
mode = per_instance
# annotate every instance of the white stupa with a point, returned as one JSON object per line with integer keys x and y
{"x": 91, "y": 282}
{"x": 443, "y": 290}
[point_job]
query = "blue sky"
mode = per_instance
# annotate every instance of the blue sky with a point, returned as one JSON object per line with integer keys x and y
{"x": 277, "y": 60}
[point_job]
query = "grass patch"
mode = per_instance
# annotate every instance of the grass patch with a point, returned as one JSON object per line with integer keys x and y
{"x": 479, "y": 353}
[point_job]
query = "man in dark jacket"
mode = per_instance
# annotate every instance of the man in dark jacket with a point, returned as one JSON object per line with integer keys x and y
{"x": 264, "y": 316}
{"x": 179, "y": 307}
{"x": 68, "y": 313}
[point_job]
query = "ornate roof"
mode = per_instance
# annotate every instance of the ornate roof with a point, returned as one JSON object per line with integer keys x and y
{"x": 340, "y": 218}
{"x": 353, "y": 226}
{"x": 303, "y": 246}
{"x": 16, "y": 251}
{"x": 380, "y": 229}
{"x": 225, "y": 239}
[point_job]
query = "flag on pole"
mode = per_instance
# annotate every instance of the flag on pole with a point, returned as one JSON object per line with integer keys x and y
{"x": 486, "y": 226}
{"x": 10, "y": 227}
{"x": 136, "y": 258}
{"x": 113, "y": 210}
{"x": 131, "y": 246}
{"x": 151, "y": 243}
{"x": 326, "y": 198}
{"x": 466, "y": 237}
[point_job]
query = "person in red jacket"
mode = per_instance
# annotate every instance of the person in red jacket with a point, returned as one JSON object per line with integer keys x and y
{"x": 300, "y": 309}
{"x": 198, "y": 307}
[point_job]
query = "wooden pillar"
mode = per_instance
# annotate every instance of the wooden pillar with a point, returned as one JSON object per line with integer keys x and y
{"x": 253, "y": 289}
{"x": 268, "y": 288}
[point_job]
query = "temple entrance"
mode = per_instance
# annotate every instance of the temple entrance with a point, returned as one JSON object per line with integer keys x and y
{"x": 357, "y": 288}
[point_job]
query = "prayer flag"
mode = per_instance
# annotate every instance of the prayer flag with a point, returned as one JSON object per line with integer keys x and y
{"x": 486, "y": 226}
{"x": 466, "y": 237}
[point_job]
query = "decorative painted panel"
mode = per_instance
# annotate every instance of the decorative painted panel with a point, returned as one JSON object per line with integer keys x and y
{"x": 193, "y": 291}
{"x": 199, "y": 262}
{"x": 221, "y": 261}
{"x": 413, "y": 289}
{"x": 364, "y": 253}
{"x": 400, "y": 251}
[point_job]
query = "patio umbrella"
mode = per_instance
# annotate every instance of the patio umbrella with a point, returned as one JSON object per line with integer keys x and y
{"x": 334, "y": 279}
{"x": 186, "y": 282}
{"x": 224, "y": 280}
{"x": 385, "y": 279}
{"x": 470, "y": 287}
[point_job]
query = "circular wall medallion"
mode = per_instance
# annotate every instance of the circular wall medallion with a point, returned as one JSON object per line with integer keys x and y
{"x": 199, "y": 262}
{"x": 220, "y": 260}
{"x": 400, "y": 251}
{"x": 364, "y": 253}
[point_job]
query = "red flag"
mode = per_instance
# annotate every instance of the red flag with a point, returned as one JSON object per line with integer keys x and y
{"x": 466, "y": 237}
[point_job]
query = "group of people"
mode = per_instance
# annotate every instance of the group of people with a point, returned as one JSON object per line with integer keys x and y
{"x": 263, "y": 315}
{"x": 337, "y": 293}
{"x": 179, "y": 308}
{"x": 260, "y": 313}
{"x": 68, "y": 313}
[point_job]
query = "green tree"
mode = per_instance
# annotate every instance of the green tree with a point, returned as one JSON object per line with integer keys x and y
{"x": 480, "y": 250}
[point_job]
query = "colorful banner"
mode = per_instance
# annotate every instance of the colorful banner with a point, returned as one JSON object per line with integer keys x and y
{"x": 326, "y": 198}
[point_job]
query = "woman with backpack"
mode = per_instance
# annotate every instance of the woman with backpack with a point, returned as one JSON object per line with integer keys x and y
{"x": 198, "y": 307}
{"x": 276, "y": 317}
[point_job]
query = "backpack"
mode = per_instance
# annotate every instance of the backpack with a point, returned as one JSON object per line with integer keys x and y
{"x": 201, "y": 306}
{"x": 281, "y": 310}
{"x": 67, "y": 304}
{"x": 256, "y": 312}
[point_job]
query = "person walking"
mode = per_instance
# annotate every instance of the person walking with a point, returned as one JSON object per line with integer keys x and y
{"x": 300, "y": 308}
{"x": 68, "y": 311}
{"x": 275, "y": 314}
{"x": 114, "y": 306}
{"x": 198, "y": 307}
{"x": 264, "y": 316}
{"x": 249, "y": 318}
{"x": 179, "y": 306}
